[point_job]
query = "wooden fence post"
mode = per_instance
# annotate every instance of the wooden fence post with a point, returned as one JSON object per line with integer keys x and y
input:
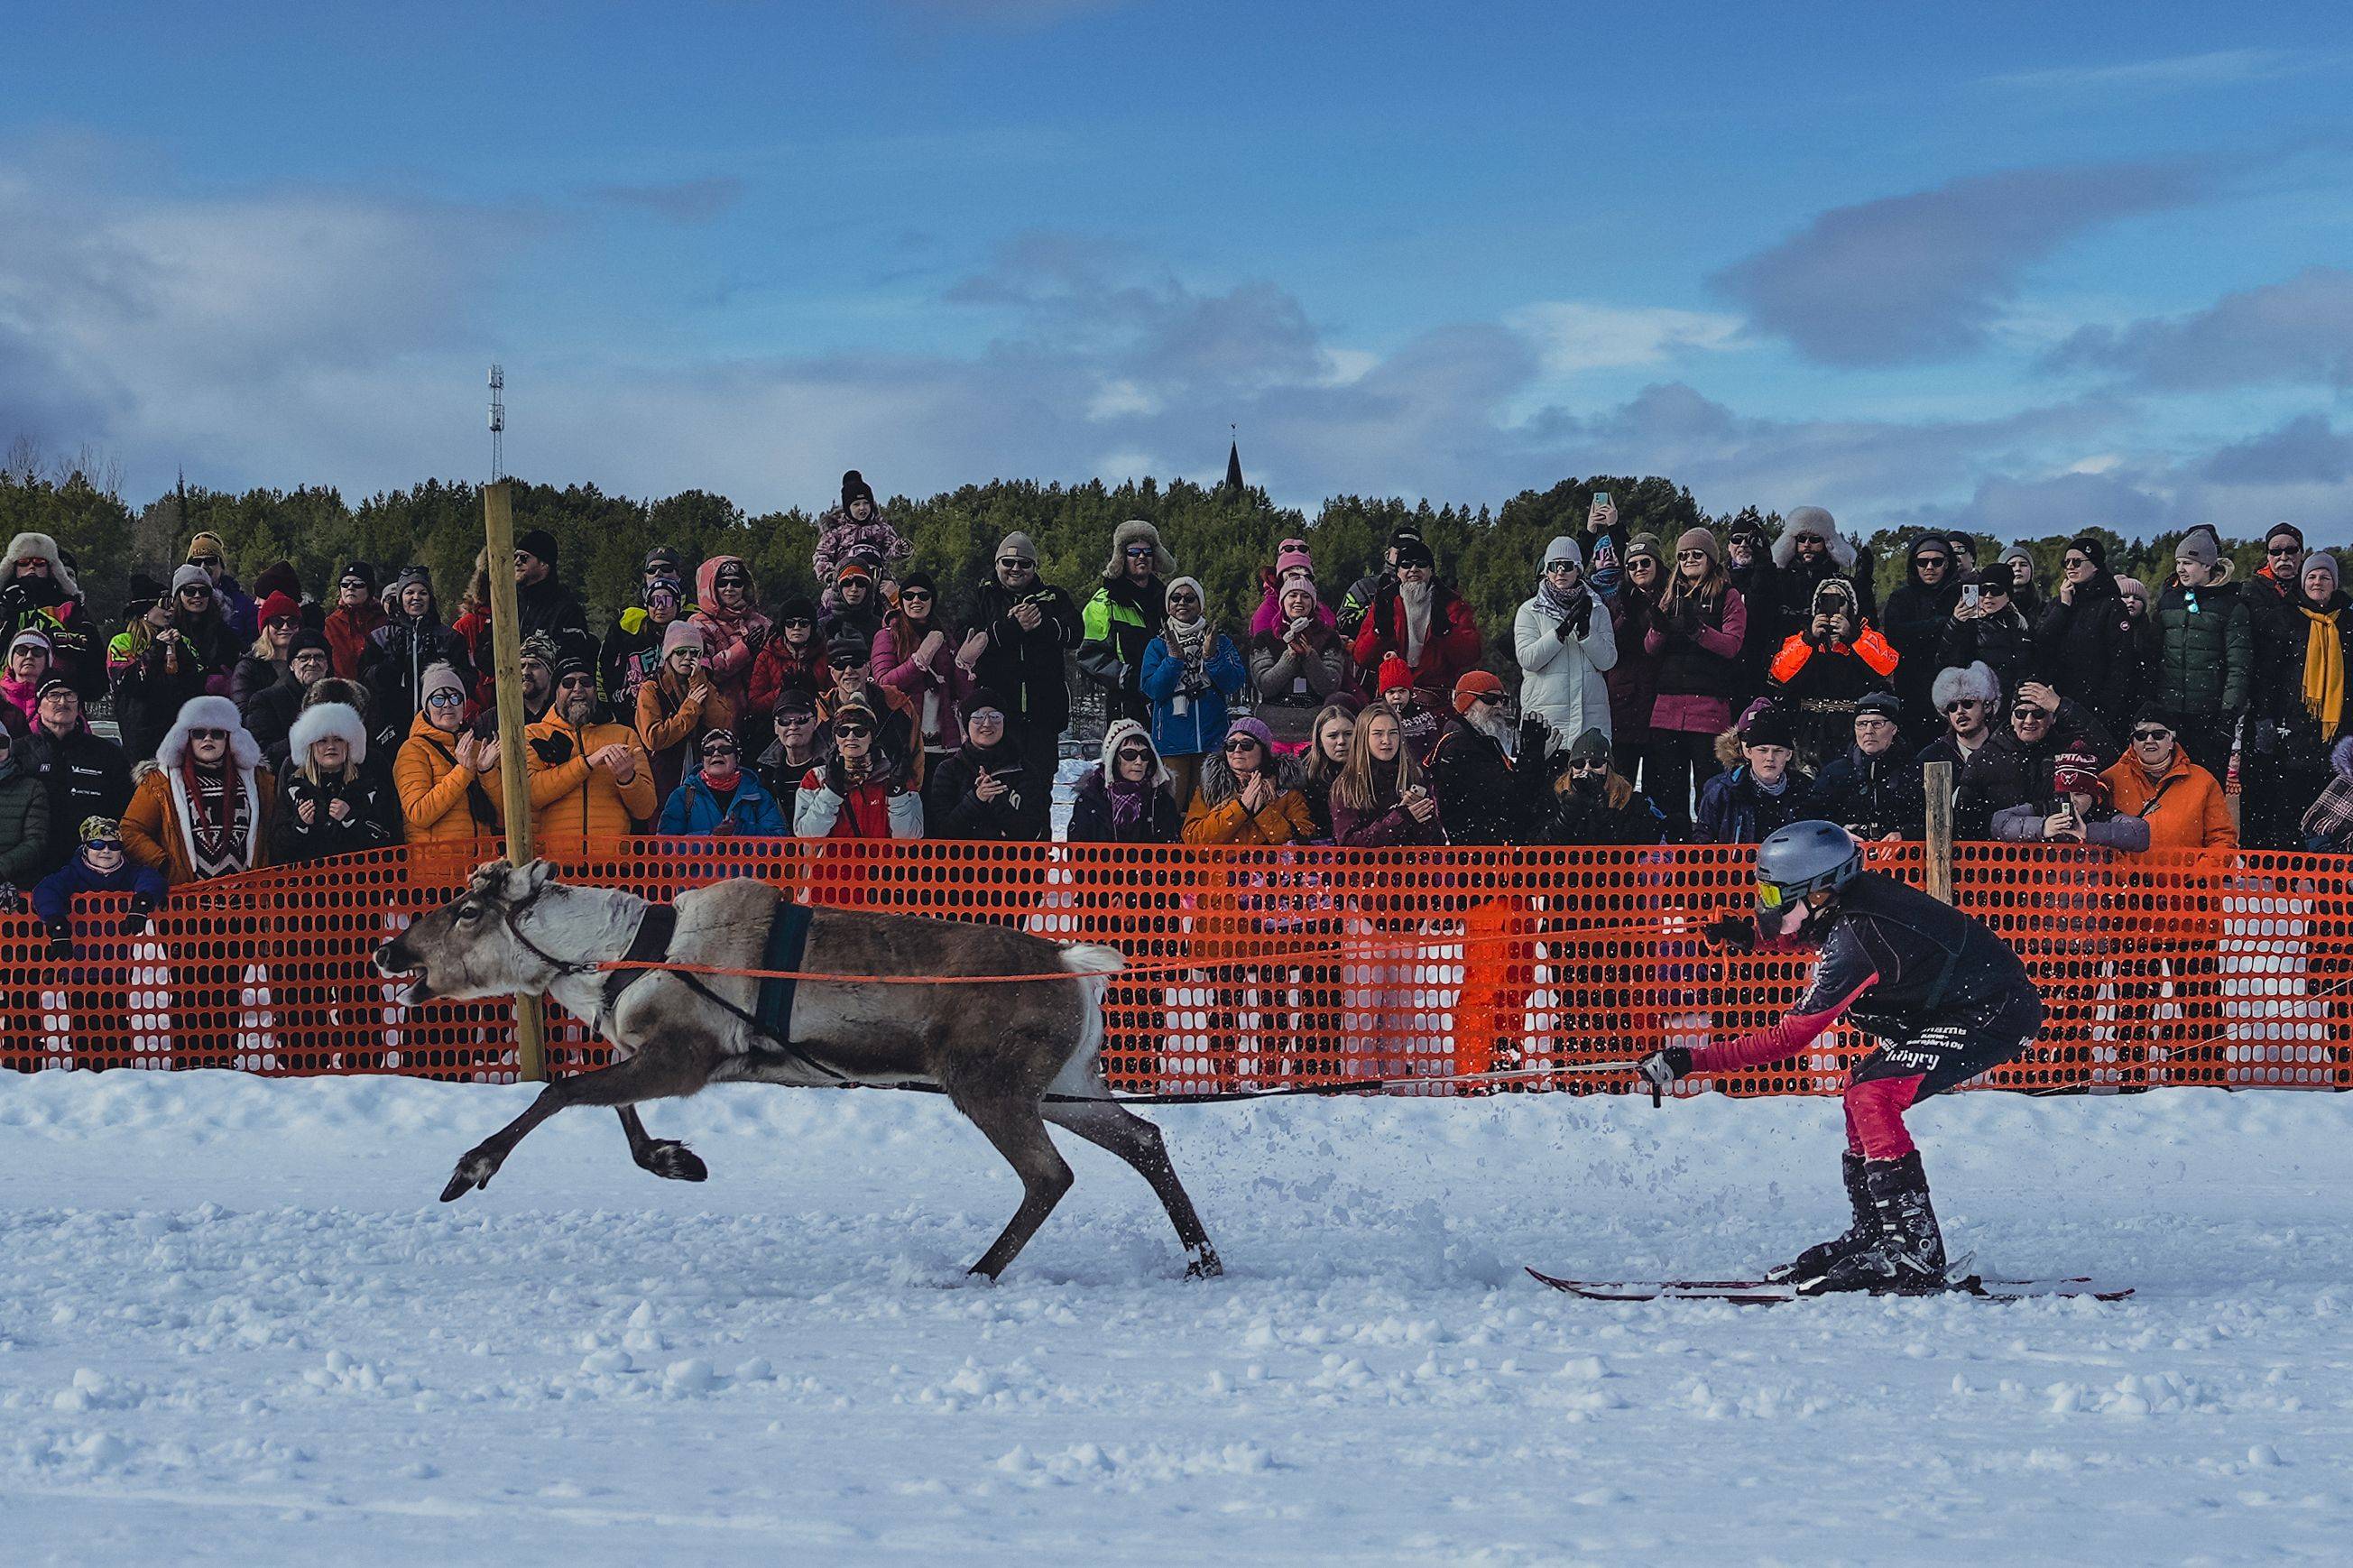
{"x": 514, "y": 780}
{"x": 1938, "y": 781}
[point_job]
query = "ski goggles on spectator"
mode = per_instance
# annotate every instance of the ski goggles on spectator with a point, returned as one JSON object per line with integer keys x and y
{"x": 444, "y": 697}
{"x": 985, "y": 716}
{"x": 1556, "y": 566}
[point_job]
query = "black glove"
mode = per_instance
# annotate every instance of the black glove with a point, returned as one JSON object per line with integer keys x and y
{"x": 754, "y": 639}
{"x": 1732, "y": 932}
{"x": 1659, "y": 1069}
{"x": 12, "y": 900}
{"x": 61, "y": 931}
{"x": 1535, "y": 734}
{"x": 553, "y": 749}
{"x": 135, "y": 921}
{"x": 837, "y": 779}
{"x": 2263, "y": 737}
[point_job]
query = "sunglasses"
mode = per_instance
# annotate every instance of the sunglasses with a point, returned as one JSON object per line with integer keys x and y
{"x": 2283, "y": 549}
{"x": 2141, "y": 737}
{"x": 1959, "y": 703}
{"x": 2072, "y": 561}
{"x": 578, "y": 683}
{"x": 1691, "y": 554}
{"x": 1014, "y": 563}
{"x": 1134, "y": 754}
{"x": 1140, "y": 553}
{"x": 984, "y": 716}
{"x": 446, "y": 699}
{"x": 716, "y": 752}
{"x": 915, "y": 595}
{"x": 208, "y": 734}
{"x": 2028, "y": 710}
{"x": 1485, "y": 697}
{"x": 1244, "y": 744}
{"x": 686, "y": 651}
{"x": 524, "y": 558}
{"x": 104, "y": 846}
{"x": 1589, "y": 767}
{"x": 790, "y": 621}
{"x": 725, "y": 582}
{"x": 1934, "y": 560}
{"x": 207, "y": 562}
{"x": 842, "y": 660}
{"x": 283, "y": 623}
{"x": 851, "y": 731}
{"x": 349, "y": 583}
{"x": 1811, "y": 539}
{"x": 195, "y": 591}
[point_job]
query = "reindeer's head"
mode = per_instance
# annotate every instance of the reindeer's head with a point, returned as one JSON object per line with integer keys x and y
{"x": 474, "y": 945}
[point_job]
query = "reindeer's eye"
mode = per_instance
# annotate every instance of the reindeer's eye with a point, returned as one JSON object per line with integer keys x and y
{"x": 469, "y": 912}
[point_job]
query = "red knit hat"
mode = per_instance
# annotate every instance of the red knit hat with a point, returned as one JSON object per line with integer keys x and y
{"x": 1394, "y": 674}
{"x": 2075, "y": 772}
{"x": 277, "y": 604}
{"x": 1475, "y": 684}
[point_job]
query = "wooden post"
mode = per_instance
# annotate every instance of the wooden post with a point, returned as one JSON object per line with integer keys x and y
{"x": 1939, "y": 782}
{"x": 514, "y": 777}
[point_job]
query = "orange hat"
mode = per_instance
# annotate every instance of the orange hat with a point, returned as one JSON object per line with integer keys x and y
{"x": 1475, "y": 684}
{"x": 1394, "y": 674}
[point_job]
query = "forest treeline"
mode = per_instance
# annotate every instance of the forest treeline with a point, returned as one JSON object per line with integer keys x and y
{"x": 1220, "y": 536}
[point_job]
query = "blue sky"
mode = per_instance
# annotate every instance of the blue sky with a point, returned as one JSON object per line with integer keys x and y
{"x": 2025, "y": 268}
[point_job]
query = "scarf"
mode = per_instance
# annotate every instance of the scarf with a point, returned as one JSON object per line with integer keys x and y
{"x": 1416, "y": 598}
{"x": 216, "y": 835}
{"x": 1555, "y": 605}
{"x": 2324, "y": 670}
{"x": 1130, "y": 800}
{"x": 1187, "y": 637}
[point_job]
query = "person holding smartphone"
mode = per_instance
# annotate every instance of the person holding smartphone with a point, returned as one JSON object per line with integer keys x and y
{"x": 986, "y": 789}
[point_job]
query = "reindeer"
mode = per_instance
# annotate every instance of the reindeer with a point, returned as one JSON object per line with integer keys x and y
{"x": 1011, "y": 1057}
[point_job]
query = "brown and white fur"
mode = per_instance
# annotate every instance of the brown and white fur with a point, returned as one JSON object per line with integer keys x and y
{"x": 997, "y": 1051}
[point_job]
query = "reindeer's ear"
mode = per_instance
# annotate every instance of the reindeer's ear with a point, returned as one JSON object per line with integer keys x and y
{"x": 537, "y": 875}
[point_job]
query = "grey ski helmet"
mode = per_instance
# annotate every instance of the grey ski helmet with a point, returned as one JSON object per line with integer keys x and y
{"x": 1802, "y": 858}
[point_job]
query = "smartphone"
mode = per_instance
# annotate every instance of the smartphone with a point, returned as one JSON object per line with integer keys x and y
{"x": 1601, "y": 497}
{"x": 1969, "y": 596}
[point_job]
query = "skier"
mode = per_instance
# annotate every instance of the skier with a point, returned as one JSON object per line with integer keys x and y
{"x": 1944, "y": 996}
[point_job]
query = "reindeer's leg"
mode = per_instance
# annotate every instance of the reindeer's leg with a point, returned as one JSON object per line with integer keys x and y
{"x": 1020, "y": 1136}
{"x": 680, "y": 1069}
{"x": 665, "y": 1157}
{"x": 1132, "y": 1139}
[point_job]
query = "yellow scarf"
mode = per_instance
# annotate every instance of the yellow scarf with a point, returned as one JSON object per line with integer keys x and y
{"x": 2324, "y": 670}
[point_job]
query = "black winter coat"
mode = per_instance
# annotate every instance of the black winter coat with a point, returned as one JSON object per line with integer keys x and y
{"x": 1619, "y": 815}
{"x": 369, "y": 826}
{"x": 1091, "y": 818}
{"x": 2088, "y": 651}
{"x": 1759, "y": 587}
{"x": 398, "y": 654}
{"x": 2006, "y": 772}
{"x": 2205, "y": 650}
{"x": 1915, "y": 621}
{"x": 2296, "y": 738}
{"x": 1480, "y": 799}
{"x": 1027, "y": 667}
{"x": 1874, "y": 797}
{"x": 85, "y": 776}
{"x": 2004, "y": 643}
{"x": 953, "y": 807}
{"x": 269, "y": 715}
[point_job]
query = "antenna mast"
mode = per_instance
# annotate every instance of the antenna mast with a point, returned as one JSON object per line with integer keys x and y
{"x": 497, "y": 423}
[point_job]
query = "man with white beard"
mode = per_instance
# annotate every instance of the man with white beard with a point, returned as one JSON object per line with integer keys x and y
{"x": 1422, "y": 621}
{"x": 1471, "y": 770}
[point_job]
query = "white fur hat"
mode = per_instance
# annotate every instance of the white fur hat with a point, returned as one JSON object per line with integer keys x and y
{"x": 40, "y": 544}
{"x": 208, "y": 713}
{"x": 327, "y": 722}
{"x": 1954, "y": 683}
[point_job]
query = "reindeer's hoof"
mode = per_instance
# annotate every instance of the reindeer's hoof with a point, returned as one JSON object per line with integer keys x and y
{"x": 674, "y": 1161}
{"x": 474, "y": 1171}
{"x": 1205, "y": 1265}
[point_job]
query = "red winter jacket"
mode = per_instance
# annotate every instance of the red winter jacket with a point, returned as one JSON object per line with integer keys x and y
{"x": 1449, "y": 651}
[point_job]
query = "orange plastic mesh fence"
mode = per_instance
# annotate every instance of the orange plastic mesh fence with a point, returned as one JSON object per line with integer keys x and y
{"x": 1257, "y": 969}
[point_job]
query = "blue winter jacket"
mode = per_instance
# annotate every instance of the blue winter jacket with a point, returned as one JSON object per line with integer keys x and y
{"x": 693, "y": 809}
{"x": 53, "y": 895}
{"x": 1202, "y": 726}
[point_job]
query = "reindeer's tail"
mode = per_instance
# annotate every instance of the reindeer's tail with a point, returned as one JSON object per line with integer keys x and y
{"x": 1093, "y": 958}
{"x": 1082, "y": 1074}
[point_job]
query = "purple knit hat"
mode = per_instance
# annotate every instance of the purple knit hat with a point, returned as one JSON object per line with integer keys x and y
{"x": 1256, "y": 730}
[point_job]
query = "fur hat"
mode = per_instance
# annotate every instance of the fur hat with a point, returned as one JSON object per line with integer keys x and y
{"x": 1954, "y": 684}
{"x": 1291, "y": 556}
{"x": 1816, "y": 521}
{"x": 1473, "y": 685}
{"x": 1124, "y": 729}
{"x": 1134, "y": 531}
{"x": 208, "y": 713}
{"x": 539, "y": 543}
{"x": 438, "y": 678}
{"x": 854, "y": 488}
{"x": 277, "y": 607}
{"x": 1700, "y": 539}
{"x": 190, "y": 576}
{"x": 1562, "y": 548}
{"x": 681, "y": 634}
{"x": 34, "y": 636}
{"x": 42, "y": 545}
{"x": 327, "y": 722}
{"x": 1394, "y": 675}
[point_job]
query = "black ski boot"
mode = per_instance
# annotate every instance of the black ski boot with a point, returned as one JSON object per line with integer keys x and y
{"x": 1817, "y": 1259}
{"x": 1907, "y": 1254}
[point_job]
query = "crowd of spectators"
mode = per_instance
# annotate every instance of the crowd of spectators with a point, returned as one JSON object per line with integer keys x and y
{"x": 1710, "y": 692}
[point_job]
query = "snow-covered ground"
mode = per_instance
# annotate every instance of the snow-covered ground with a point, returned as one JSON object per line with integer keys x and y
{"x": 235, "y": 1326}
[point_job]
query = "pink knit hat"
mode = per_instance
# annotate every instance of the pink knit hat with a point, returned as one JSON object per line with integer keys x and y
{"x": 1294, "y": 557}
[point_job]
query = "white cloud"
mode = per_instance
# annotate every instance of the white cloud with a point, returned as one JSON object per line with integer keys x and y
{"x": 1575, "y": 335}
{"x": 2219, "y": 68}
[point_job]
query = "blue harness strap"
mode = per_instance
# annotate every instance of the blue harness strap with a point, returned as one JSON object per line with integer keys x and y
{"x": 787, "y": 939}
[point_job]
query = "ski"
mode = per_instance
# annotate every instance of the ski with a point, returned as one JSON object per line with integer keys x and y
{"x": 1766, "y": 1293}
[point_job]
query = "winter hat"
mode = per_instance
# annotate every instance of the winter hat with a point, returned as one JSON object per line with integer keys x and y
{"x": 1134, "y": 531}
{"x": 1473, "y": 685}
{"x": 920, "y": 579}
{"x": 1646, "y": 545}
{"x": 681, "y": 634}
{"x": 670, "y": 586}
{"x": 35, "y": 638}
{"x": 357, "y": 572}
{"x": 848, "y": 642}
{"x": 792, "y": 700}
{"x": 190, "y": 576}
{"x": 1414, "y": 550}
{"x": 1927, "y": 539}
{"x": 276, "y": 606}
{"x": 1563, "y": 548}
{"x": 662, "y": 555}
{"x": 541, "y": 647}
{"x": 208, "y": 713}
{"x": 2017, "y": 553}
{"x": 539, "y": 543}
{"x": 1884, "y": 704}
{"x": 985, "y": 697}
{"x": 854, "y": 488}
{"x": 856, "y": 705}
{"x": 1700, "y": 539}
{"x": 279, "y": 577}
{"x": 2077, "y": 771}
{"x": 2288, "y": 528}
{"x": 1192, "y": 583}
{"x": 2133, "y": 588}
{"x": 1954, "y": 685}
{"x": 1398, "y": 535}
{"x": 207, "y": 543}
{"x": 53, "y": 683}
{"x": 101, "y": 829}
{"x": 28, "y": 545}
{"x": 139, "y": 595}
{"x": 2091, "y": 547}
{"x": 409, "y": 574}
{"x": 853, "y": 567}
{"x": 309, "y": 640}
{"x": 1394, "y": 675}
{"x": 1592, "y": 746}
{"x": 1122, "y": 730}
{"x": 438, "y": 678}
{"x": 2320, "y": 560}
{"x": 1257, "y": 730}
{"x": 1291, "y": 556}
{"x": 1810, "y": 520}
{"x": 797, "y": 607}
{"x": 718, "y": 735}
{"x": 328, "y": 721}
{"x": 1017, "y": 543}
{"x": 2201, "y": 545}
{"x": 2153, "y": 713}
{"x": 1769, "y": 726}
{"x": 572, "y": 658}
